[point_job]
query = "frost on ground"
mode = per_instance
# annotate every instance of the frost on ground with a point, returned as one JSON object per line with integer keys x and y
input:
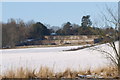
{"x": 55, "y": 57}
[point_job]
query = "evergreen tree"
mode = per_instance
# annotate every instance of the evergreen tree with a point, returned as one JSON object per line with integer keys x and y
{"x": 67, "y": 28}
{"x": 86, "y": 22}
{"x": 39, "y": 31}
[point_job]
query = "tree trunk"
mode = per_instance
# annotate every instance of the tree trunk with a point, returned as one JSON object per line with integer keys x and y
{"x": 119, "y": 52}
{"x": 119, "y": 68}
{"x": 119, "y": 62}
{"x": 119, "y": 55}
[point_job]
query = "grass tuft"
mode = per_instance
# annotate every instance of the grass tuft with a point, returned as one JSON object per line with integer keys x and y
{"x": 46, "y": 72}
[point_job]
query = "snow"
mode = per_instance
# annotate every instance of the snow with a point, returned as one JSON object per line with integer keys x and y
{"x": 54, "y": 57}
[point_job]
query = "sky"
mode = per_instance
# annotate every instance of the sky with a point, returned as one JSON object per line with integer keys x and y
{"x": 53, "y": 13}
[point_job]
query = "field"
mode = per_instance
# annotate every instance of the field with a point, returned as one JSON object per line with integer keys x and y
{"x": 56, "y": 59}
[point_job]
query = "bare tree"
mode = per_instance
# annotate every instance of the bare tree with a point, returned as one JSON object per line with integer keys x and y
{"x": 111, "y": 19}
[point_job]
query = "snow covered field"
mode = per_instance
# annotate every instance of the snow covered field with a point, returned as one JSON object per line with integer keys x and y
{"x": 54, "y": 57}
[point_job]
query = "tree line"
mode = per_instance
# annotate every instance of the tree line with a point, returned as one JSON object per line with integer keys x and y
{"x": 17, "y": 31}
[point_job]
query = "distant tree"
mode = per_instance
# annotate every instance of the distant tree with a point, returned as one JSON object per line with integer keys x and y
{"x": 86, "y": 21}
{"x": 5, "y": 35}
{"x": 16, "y": 31}
{"x": 67, "y": 28}
{"x": 22, "y": 30}
{"x": 29, "y": 25}
{"x": 60, "y": 32}
{"x": 75, "y": 28}
{"x": 38, "y": 31}
{"x": 86, "y": 28}
{"x": 10, "y": 33}
{"x": 85, "y": 31}
{"x": 110, "y": 31}
{"x": 55, "y": 28}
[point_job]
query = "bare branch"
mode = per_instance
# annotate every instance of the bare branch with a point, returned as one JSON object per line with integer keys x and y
{"x": 114, "y": 48}
{"x": 111, "y": 13}
{"x": 108, "y": 55}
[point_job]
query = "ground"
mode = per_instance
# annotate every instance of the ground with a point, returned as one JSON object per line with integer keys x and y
{"x": 55, "y": 57}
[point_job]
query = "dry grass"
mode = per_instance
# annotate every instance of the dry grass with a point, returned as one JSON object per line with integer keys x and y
{"x": 106, "y": 72}
{"x": 45, "y": 72}
{"x": 19, "y": 73}
{"x": 0, "y": 77}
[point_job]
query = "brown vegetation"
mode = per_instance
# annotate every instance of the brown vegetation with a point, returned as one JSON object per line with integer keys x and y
{"x": 45, "y": 72}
